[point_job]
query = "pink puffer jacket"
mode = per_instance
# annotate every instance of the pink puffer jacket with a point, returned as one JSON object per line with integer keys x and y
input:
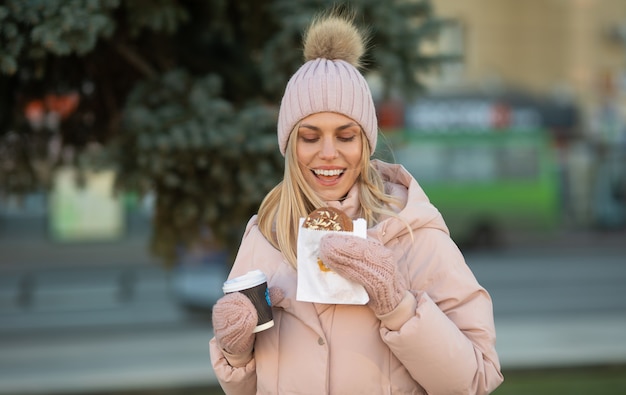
{"x": 443, "y": 340}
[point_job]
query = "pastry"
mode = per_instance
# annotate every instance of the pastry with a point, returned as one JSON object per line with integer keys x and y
{"x": 328, "y": 218}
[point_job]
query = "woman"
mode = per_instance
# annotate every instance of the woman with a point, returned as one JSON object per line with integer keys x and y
{"x": 428, "y": 326}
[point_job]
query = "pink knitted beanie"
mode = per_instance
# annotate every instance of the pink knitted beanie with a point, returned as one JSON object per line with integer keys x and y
{"x": 329, "y": 80}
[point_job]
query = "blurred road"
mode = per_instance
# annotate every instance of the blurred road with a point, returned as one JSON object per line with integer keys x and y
{"x": 70, "y": 324}
{"x": 78, "y": 318}
{"x": 560, "y": 304}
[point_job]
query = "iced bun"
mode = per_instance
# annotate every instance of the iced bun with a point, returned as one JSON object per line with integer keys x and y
{"x": 328, "y": 218}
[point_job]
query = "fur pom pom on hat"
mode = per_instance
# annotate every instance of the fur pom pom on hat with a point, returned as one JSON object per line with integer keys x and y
{"x": 329, "y": 80}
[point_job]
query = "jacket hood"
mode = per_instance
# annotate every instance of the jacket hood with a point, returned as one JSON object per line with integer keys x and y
{"x": 416, "y": 209}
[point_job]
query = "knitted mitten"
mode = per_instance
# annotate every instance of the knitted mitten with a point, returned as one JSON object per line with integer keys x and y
{"x": 277, "y": 295}
{"x": 366, "y": 262}
{"x": 234, "y": 319}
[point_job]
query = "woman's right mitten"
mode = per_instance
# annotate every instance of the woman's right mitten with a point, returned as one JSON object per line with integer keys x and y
{"x": 234, "y": 319}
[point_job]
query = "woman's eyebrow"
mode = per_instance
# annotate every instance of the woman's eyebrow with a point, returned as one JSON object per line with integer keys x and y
{"x": 338, "y": 128}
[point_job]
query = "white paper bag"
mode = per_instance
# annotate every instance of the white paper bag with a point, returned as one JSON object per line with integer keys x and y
{"x": 316, "y": 285}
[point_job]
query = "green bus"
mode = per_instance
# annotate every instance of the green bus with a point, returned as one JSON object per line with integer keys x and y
{"x": 490, "y": 185}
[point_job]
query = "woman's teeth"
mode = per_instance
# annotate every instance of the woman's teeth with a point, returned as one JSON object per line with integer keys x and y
{"x": 328, "y": 173}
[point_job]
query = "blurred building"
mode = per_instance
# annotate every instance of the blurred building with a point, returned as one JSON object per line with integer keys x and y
{"x": 557, "y": 64}
{"x": 549, "y": 47}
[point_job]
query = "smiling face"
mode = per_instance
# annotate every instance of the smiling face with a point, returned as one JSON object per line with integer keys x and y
{"x": 329, "y": 148}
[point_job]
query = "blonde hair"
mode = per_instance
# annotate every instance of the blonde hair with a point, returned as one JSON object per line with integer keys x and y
{"x": 293, "y": 198}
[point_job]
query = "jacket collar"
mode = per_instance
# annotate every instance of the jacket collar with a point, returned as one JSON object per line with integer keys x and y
{"x": 416, "y": 211}
{"x": 350, "y": 205}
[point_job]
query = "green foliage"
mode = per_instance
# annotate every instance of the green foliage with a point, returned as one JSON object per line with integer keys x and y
{"x": 204, "y": 160}
{"x": 157, "y": 15}
{"x": 180, "y": 96}
{"x": 55, "y": 26}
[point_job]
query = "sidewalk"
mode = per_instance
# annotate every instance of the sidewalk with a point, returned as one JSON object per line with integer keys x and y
{"x": 561, "y": 343}
{"x": 165, "y": 357}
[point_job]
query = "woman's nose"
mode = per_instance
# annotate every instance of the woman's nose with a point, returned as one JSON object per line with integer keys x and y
{"x": 328, "y": 150}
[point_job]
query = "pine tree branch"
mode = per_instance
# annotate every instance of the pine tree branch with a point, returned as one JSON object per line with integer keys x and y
{"x": 135, "y": 59}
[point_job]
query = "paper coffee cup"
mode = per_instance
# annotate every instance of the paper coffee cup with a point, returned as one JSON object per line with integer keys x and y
{"x": 254, "y": 285}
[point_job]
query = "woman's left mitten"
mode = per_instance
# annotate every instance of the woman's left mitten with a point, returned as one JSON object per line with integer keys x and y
{"x": 366, "y": 262}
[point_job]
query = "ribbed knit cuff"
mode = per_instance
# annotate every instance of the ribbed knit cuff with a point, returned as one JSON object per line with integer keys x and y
{"x": 401, "y": 314}
{"x": 237, "y": 360}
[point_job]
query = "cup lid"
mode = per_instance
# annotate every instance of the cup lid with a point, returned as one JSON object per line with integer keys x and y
{"x": 248, "y": 280}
